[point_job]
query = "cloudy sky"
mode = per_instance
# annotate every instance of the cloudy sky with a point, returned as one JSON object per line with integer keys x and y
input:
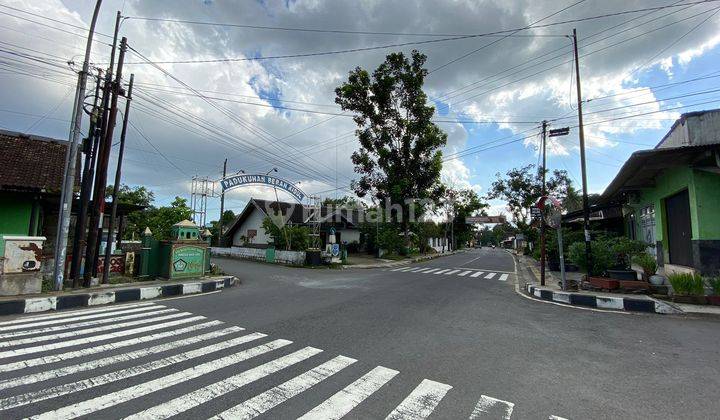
{"x": 255, "y": 90}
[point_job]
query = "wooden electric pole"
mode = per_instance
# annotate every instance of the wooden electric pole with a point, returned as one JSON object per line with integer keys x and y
{"x": 581, "y": 134}
{"x": 116, "y": 184}
{"x": 222, "y": 206}
{"x": 544, "y": 193}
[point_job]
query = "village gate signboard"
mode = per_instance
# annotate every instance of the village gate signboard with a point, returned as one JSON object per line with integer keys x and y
{"x": 241, "y": 180}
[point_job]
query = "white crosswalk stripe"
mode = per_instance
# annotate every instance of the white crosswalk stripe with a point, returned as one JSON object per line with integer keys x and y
{"x": 349, "y": 397}
{"x": 421, "y": 402}
{"x": 490, "y": 275}
{"x": 48, "y": 337}
{"x": 451, "y": 272}
{"x": 503, "y": 277}
{"x": 281, "y": 393}
{"x": 206, "y": 357}
{"x": 44, "y": 330}
{"x": 465, "y": 273}
{"x": 76, "y": 316}
{"x": 441, "y": 271}
{"x": 432, "y": 270}
{"x": 477, "y": 274}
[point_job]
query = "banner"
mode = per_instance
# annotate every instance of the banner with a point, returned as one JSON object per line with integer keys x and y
{"x": 240, "y": 180}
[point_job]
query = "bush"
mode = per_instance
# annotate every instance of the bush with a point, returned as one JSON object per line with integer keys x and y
{"x": 687, "y": 284}
{"x": 647, "y": 263}
{"x": 601, "y": 254}
{"x": 625, "y": 249}
{"x": 714, "y": 283}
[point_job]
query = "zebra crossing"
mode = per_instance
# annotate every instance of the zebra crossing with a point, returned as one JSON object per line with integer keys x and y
{"x": 459, "y": 272}
{"x": 84, "y": 363}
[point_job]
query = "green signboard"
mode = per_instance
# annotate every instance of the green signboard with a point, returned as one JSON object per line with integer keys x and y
{"x": 187, "y": 261}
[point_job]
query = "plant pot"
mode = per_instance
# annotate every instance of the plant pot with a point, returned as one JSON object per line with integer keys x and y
{"x": 603, "y": 283}
{"x": 622, "y": 274}
{"x": 657, "y": 280}
{"x": 713, "y": 300}
{"x": 692, "y": 299}
{"x": 634, "y": 285}
{"x": 312, "y": 257}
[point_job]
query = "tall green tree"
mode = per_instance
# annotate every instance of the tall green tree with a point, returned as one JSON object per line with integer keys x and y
{"x": 139, "y": 196}
{"x": 465, "y": 203}
{"x": 521, "y": 188}
{"x": 159, "y": 219}
{"x": 399, "y": 156}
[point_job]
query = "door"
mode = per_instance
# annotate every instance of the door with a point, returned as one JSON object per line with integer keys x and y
{"x": 679, "y": 231}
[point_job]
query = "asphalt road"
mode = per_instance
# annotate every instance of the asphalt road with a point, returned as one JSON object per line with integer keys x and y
{"x": 433, "y": 338}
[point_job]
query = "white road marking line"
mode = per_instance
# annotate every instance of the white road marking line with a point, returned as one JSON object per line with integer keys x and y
{"x": 106, "y": 361}
{"x": 87, "y": 331}
{"x": 421, "y": 402}
{"x": 65, "y": 314}
{"x": 398, "y": 269}
{"x": 261, "y": 403}
{"x": 118, "y": 397}
{"x": 217, "y": 389}
{"x": 451, "y": 272}
{"x": 492, "y": 407}
{"x": 430, "y": 271}
{"x": 96, "y": 338}
{"x": 441, "y": 271}
{"x": 477, "y": 274}
{"x": 45, "y": 330}
{"x": 490, "y": 275}
{"x": 414, "y": 269}
{"x": 423, "y": 270}
{"x": 118, "y": 375}
{"x": 349, "y": 397}
{"x": 465, "y": 273}
{"x": 79, "y": 316}
{"x": 556, "y": 418}
{"x": 503, "y": 277}
{"x": 44, "y": 360}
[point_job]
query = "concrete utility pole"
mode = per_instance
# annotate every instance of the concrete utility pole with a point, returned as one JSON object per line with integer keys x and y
{"x": 116, "y": 184}
{"x": 544, "y": 193}
{"x": 101, "y": 178}
{"x": 90, "y": 147}
{"x": 66, "y": 195}
{"x": 222, "y": 205}
{"x": 581, "y": 134}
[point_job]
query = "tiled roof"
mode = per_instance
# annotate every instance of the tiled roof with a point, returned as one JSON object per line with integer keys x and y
{"x": 31, "y": 163}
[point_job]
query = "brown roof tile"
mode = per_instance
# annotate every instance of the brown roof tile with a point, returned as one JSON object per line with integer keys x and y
{"x": 31, "y": 163}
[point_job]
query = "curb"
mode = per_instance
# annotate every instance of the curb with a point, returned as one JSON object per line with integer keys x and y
{"x": 614, "y": 303}
{"x": 56, "y": 303}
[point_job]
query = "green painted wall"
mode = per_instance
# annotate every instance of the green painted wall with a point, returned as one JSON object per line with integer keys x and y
{"x": 707, "y": 197}
{"x": 15, "y": 211}
{"x": 704, "y": 196}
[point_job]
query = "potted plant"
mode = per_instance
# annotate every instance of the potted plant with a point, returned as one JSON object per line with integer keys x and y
{"x": 649, "y": 266}
{"x": 624, "y": 250}
{"x": 602, "y": 259}
{"x": 687, "y": 288}
{"x": 714, "y": 283}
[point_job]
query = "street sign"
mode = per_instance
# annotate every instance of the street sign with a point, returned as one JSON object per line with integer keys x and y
{"x": 556, "y": 132}
{"x": 335, "y": 250}
{"x": 536, "y": 213}
{"x": 485, "y": 219}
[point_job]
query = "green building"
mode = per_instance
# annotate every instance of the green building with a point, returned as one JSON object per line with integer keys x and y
{"x": 670, "y": 195}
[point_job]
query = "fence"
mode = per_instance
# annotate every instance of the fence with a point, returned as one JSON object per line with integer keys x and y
{"x": 282, "y": 257}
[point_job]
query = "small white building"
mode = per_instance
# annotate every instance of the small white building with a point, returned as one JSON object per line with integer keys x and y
{"x": 247, "y": 231}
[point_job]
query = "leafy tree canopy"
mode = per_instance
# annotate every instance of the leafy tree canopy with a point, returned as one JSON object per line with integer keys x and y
{"x": 139, "y": 196}
{"x": 159, "y": 219}
{"x": 399, "y": 156}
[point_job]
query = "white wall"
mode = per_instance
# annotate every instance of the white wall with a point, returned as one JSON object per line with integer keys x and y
{"x": 350, "y": 235}
{"x": 254, "y": 221}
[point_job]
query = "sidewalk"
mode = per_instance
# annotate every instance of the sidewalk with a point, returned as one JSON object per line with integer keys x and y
{"x": 529, "y": 269}
{"x": 384, "y": 263}
{"x": 115, "y": 293}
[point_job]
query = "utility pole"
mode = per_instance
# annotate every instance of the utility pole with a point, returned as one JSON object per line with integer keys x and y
{"x": 101, "y": 178}
{"x": 90, "y": 147}
{"x": 581, "y": 134}
{"x": 116, "y": 184}
{"x": 544, "y": 193}
{"x": 222, "y": 205}
{"x": 66, "y": 196}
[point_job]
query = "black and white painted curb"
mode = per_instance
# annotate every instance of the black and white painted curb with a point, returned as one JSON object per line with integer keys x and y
{"x": 614, "y": 303}
{"x": 51, "y": 303}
